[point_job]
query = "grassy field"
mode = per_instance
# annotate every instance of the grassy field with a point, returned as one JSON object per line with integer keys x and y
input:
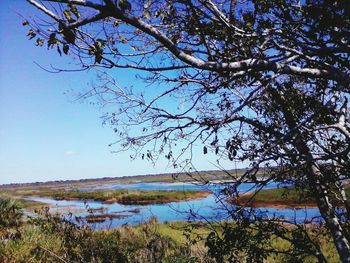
{"x": 30, "y": 205}
{"x": 283, "y": 197}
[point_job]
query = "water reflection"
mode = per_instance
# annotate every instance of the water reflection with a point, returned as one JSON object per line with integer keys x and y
{"x": 210, "y": 208}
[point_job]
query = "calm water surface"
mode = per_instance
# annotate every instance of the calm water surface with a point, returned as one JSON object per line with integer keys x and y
{"x": 211, "y": 208}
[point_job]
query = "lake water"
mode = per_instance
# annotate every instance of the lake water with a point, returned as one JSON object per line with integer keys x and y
{"x": 212, "y": 207}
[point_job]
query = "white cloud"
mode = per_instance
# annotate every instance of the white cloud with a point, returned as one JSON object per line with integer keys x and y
{"x": 70, "y": 153}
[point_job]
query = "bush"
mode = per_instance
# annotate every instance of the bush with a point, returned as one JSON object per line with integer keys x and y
{"x": 50, "y": 238}
{"x": 10, "y": 219}
{"x": 10, "y": 214}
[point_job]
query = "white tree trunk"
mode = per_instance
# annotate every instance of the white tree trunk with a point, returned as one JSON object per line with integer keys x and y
{"x": 328, "y": 213}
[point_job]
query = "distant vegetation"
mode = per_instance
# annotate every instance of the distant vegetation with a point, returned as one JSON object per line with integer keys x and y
{"x": 284, "y": 197}
{"x": 127, "y": 197}
{"x": 201, "y": 176}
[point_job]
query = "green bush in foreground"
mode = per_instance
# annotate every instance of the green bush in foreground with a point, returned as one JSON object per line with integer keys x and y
{"x": 49, "y": 238}
{"x": 11, "y": 214}
{"x": 10, "y": 219}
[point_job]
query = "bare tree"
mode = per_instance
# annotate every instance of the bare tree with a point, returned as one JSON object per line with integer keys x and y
{"x": 259, "y": 81}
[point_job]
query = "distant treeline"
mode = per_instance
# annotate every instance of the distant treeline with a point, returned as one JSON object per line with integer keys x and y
{"x": 164, "y": 177}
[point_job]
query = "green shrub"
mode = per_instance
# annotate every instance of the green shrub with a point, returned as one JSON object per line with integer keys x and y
{"x": 10, "y": 214}
{"x": 10, "y": 219}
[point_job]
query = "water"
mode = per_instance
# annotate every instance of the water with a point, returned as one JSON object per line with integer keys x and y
{"x": 211, "y": 208}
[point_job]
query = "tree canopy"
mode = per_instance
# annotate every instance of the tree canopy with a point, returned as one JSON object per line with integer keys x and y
{"x": 259, "y": 81}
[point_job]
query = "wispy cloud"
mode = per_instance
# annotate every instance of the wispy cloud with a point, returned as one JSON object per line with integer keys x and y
{"x": 70, "y": 153}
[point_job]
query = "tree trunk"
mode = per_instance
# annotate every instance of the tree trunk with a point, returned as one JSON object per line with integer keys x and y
{"x": 329, "y": 215}
{"x": 319, "y": 190}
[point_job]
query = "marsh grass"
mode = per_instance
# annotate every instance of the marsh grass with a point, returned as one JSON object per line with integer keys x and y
{"x": 119, "y": 196}
{"x": 288, "y": 197}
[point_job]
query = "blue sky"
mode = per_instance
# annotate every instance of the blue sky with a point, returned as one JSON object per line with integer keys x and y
{"x": 44, "y": 135}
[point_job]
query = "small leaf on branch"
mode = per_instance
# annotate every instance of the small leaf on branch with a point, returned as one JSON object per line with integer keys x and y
{"x": 68, "y": 16}
{"x": 74, "y": 10}
{"x": 40, "y": 42}
{"x": 52, "y": 40}
{"x": 100, "y": 43}
{"x": 69, "y": 36}
{"x": 147, "y": 14}
{"x": 31, "y": 34}
{"x": 147, "y": 4}
{"x": 65, "y": 49}
{"x": 124, "y": 5}
{"x": 123, "y": 40}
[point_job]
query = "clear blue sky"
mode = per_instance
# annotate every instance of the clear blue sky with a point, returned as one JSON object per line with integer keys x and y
{"x": 43, "y": 134}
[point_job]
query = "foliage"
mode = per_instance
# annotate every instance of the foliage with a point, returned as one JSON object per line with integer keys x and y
{"x": 266, "y": 241}
{"x": 49, "y": 238}
{"x": 263, "y": 82}
{"x": 10, "y": 219}
{"x": 10, "y": 213}
{"x": 238, "y": 244}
